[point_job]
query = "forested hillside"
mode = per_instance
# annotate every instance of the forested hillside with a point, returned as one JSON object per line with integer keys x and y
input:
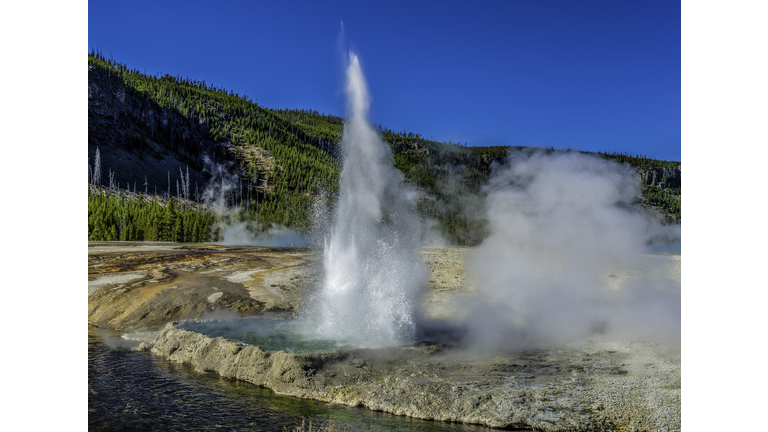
{"x": 174, "y": 137}
{"x": 278, "y": 158}
{"x": 113, "y": 217}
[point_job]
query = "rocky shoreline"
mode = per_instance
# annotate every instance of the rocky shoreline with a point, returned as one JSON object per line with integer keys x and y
{"x": 597, "y": 384}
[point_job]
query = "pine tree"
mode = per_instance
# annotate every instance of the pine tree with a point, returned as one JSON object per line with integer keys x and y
{"x": 158, "y": 227}
{"x": 178, "y": 230}
{"x": 170, "y": 220}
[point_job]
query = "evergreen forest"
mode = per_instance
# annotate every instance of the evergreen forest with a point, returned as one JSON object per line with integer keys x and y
{"x": 273, "y": 164}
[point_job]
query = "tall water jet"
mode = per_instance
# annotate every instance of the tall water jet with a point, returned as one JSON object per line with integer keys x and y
{"x": 372, "y": 265}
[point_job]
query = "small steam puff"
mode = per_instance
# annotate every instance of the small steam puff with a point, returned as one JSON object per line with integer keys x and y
{"x": 223, "y": 181}
{"x": 463, "y": 204}
{"x": 239, "y": 234}
{"x": 217, "y": 194}
{"x": 562, "y": 227}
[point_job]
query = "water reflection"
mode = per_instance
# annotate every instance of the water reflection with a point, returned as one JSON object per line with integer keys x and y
{"x": 133, "y": 391}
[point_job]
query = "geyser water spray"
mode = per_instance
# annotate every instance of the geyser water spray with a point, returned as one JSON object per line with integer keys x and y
{"x": 373, "y": 271}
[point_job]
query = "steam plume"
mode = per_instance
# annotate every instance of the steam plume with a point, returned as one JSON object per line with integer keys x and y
{"x": 561, "y": 225}
{"x": 241, "y": 234}
{"x": 218, "y": 192}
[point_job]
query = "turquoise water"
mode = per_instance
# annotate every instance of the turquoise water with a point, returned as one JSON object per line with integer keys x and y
{"x": 269, "y": 334}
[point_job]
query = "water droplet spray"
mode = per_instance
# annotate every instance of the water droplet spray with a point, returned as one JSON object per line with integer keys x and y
{"x": 373, "y": 271}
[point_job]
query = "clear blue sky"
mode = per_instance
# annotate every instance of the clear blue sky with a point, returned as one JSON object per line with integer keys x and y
{"x": 590, "y": 75}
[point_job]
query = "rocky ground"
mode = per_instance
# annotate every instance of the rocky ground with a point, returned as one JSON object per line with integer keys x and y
{"x": 133, "y": 286}
{"x": 599, "y": 384}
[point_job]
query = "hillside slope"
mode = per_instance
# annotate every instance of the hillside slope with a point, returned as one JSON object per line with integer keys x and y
{"x": 173, "y": 137}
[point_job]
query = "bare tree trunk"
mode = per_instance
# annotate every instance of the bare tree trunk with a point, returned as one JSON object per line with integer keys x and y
{"x": 186, "y": 185}
{"x": 111, "y": 179}
{"x": 97, "y": 169}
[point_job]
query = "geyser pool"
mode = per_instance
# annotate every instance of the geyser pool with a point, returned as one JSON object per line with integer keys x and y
{"x": 269, "y": 334}
{"x": 289, "y": 335}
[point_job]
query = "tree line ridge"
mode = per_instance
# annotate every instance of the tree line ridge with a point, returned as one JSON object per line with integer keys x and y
{"x": 171, "y": 137}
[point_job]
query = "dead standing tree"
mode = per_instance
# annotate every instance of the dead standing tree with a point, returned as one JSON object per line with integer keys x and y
{"x": 96, "y": 178}
{"x": 111, "y": 180}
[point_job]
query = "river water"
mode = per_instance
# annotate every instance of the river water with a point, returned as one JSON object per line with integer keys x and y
{"x": 138, "y": 391}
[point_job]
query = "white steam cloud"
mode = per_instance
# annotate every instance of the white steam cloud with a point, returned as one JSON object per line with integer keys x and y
{"x": 239, "y": 234}
{"x": 218, "y": 194}
{"x": 564, "y": 229}
{"x": 217, "y": 191}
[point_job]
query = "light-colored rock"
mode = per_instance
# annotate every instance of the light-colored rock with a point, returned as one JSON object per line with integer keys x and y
{"x": 585, "y": 388}
{"x": 599, "y": 385}
{"x": 110, "y": 280}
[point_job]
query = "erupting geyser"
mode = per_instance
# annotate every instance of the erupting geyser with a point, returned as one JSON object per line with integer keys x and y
{"x": 373, "y": 269}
